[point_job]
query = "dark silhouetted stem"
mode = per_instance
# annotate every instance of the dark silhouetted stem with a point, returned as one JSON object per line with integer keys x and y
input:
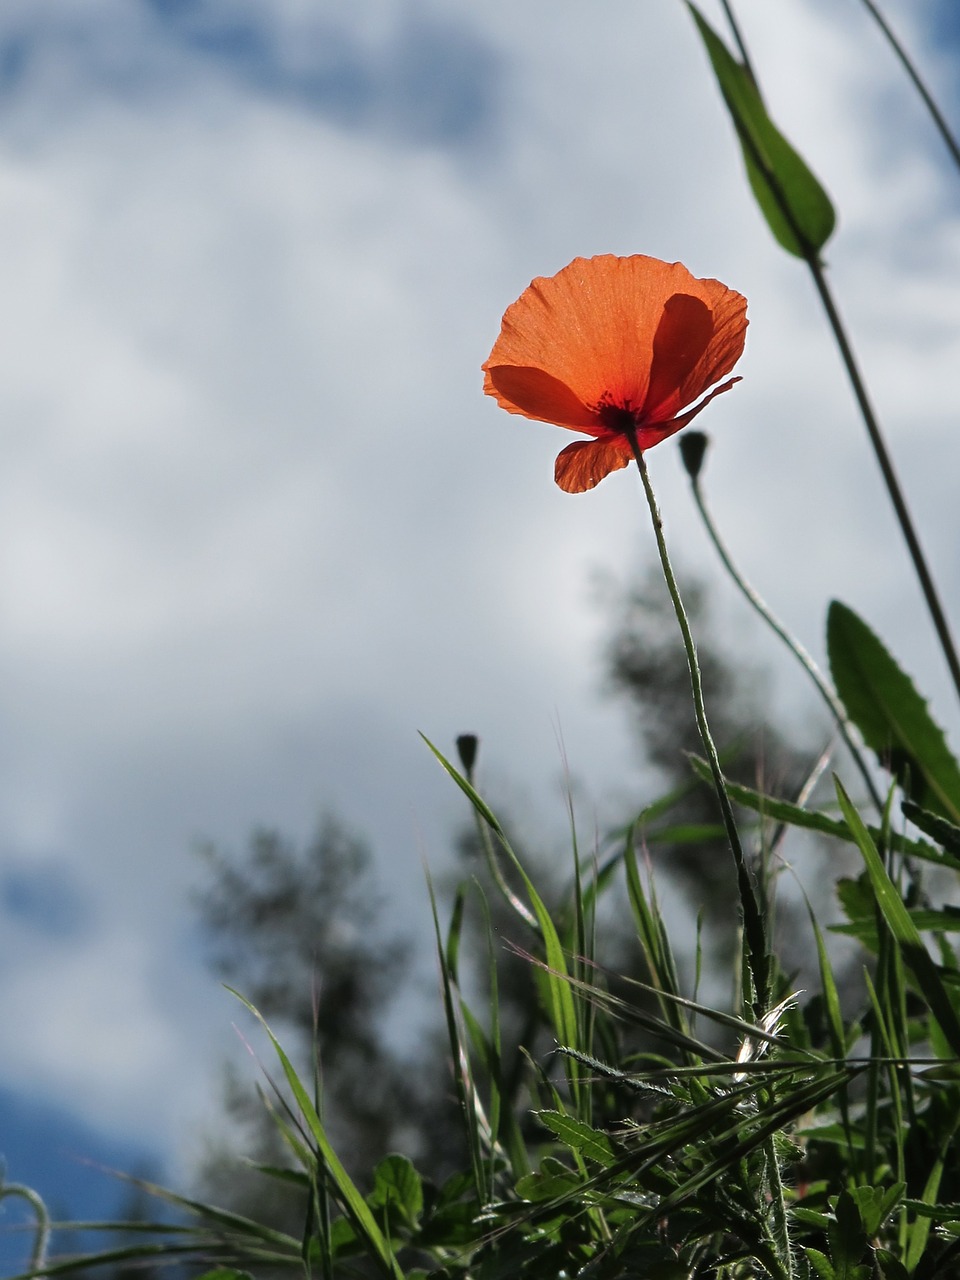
{"x": 811, "y": 256}
{"x": 921, "y": 568}
{"x": 739, "y": 41}
{"x": 935, "y": 113}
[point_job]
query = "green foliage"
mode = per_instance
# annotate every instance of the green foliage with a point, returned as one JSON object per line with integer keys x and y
{"x": 892, "y": 717}
{"x": 725, "y": 1147}
{"x": 797, "y": 209}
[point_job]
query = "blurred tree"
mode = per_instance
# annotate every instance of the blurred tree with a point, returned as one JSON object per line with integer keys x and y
{"x": 301, "y": 931}
{"x": 647, "y": 668}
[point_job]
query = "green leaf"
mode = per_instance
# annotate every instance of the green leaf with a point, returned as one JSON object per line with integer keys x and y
{"x": 591, "y": 1143}
{"x": 775, "y": 810}
{"x": 686, "y": 833}
{"x": 810, "y": 1217}
{"x": 848, "y": 1240}
{"x": 353, "y": 1202}
{"x": 397, "y": 1185}
{"x": 797, "y": 209}
{"x": 558, "y": 997}
{"x": 931, "y": 920}
{"x": 821, "y": 1264}
{"x": 891, "y": 1268}
{"x": 946, "y": 833}
{"x": 892, "y": 717}
{"x": 541, "y": 1187}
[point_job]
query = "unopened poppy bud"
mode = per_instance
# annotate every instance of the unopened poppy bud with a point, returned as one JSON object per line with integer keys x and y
{"x": 467, "y": 744}
{"x": 693, "y": 445}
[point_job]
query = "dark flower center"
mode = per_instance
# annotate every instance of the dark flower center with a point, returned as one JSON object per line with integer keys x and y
{"x": 618, "y": 418}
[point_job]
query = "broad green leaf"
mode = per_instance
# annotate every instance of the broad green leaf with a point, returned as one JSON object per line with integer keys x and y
{"x": 397, "y": 1184}
{"x": 797, "y": 209}
{"x": 915, "y": 955}
{"x": 892, "y": 717}
{"x": 686, "y": 833}
{"x": 821, "y": 1264}
{"x": 876, "y": 1204}
{"x": 810, "y": 1217}
{"x": 848, "y": 1240}
{"x": 891, "y": 1268}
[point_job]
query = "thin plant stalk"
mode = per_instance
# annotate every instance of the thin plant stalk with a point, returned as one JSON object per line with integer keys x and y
{"x": 754, "y": 930}
{"x": 467, "y": 747}
{"x": 739, "y": 41}
{"x": 936, "y": 114}
{"x": 922, "y": 569}
{"x": 756, "y": 601}
{"x": 812, "y": 258}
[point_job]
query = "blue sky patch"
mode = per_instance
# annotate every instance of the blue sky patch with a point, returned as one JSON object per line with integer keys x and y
{"x": 434, "y": 80}
{"x": 67, "y": 1164}
{"x": 46, "y": 898}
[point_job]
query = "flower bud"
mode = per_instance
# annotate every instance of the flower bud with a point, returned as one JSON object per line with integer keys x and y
{"x": 693, "y": 445}
{"x": 467, "y": 744}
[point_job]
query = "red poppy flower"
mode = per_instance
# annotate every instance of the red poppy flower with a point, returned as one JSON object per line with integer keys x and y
{"x": 615, "y": 347}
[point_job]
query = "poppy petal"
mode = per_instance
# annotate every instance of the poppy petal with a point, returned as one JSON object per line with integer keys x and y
{"x": 726, "y": 345}
{"x": 647, "y": 437}
{"x": 535, "y": 394}
{"x": 584, "y": 463}
{"x": 679, "y": 344}
{"x": 592, "y": 324}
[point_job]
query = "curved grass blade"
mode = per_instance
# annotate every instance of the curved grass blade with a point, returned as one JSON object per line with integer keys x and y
{"x": 915, "y": 954}
{"x": 811, "y": 820}
{"x": 463, "y": 1077}
{"x": 353, "y": 1201}
{"x": 560, "y": 1001}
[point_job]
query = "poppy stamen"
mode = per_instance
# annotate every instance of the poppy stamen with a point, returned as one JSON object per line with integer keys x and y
{"x": 618, "y": 418}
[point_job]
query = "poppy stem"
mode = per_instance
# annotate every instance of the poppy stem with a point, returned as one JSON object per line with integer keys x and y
{"x": 753, "y": 923}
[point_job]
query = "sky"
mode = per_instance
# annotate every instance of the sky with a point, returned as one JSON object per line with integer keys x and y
{"x": 259, "y": 527}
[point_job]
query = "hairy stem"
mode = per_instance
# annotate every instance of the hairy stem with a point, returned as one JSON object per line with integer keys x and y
{"x": 754, "y": 931}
